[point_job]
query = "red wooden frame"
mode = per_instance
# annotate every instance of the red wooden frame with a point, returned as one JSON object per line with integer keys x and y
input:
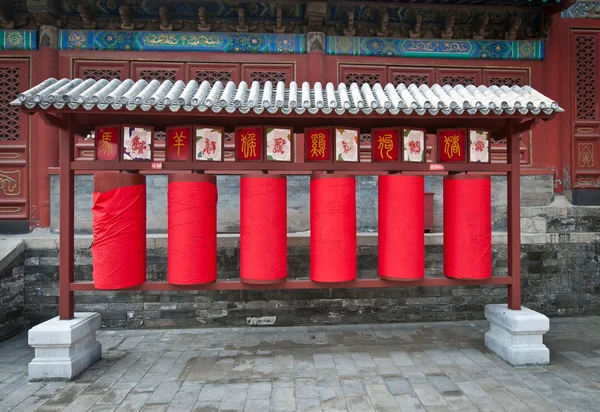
{"x": 512, "y": 127}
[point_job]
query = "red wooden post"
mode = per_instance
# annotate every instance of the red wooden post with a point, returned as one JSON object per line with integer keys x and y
{"x": 514, "y": 218}
{"x": 67, "y": 226}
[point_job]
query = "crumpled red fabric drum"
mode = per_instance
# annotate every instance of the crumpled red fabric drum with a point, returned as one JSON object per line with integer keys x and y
{"x": 332, "y": 228}
{"x": 401, "y": 221}
{"x": 119, "y": 229}
{"x": 468, "y": 226}
{"x": 263, "y": 229}
{"x": 192, "y": 229}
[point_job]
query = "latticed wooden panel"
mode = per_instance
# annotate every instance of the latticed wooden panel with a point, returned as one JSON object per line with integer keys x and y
{"x": 158, "y": 74}
{"x": 456, "y": 80}
{"x": 213, "y": 76}
{"x": 585, "y": 63}
{"x": 417, "y": 79}
{"x": 99, "y": 74}
{"x": 505, "y": 81}
{"x": 9, "y": 115}
{"x": 361, "y": 78}
{"x": 264, "y": 76}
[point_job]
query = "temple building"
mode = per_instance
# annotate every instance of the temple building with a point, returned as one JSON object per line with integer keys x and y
{"x": 84, "y": 69}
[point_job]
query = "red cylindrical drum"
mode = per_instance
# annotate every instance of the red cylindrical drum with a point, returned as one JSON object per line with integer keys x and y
{"x": 192, "y": 236}
{"x": 332, "y": 228}
{"x": 119, "y": 228}
{"x": 467, "y": 226}
{"x": 263, "y": 229}
{"x": 401, "y": 227}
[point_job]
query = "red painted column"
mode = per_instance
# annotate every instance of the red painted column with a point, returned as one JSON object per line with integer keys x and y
{"x": 45, "y": 141}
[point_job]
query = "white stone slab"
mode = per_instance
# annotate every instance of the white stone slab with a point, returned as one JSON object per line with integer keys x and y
{"x": 64, "y": 348}
{"x": 517, "y": 335}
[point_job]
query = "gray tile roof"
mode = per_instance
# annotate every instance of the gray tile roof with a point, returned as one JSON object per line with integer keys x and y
{"x": 273, "y": 98}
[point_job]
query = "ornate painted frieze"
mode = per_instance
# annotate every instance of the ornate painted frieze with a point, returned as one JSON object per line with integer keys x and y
{"x": 449, "y": 49}
{"x": 18, "y": 40}
{"x": 178, "y": 41}
{"x": 582, "y": 10}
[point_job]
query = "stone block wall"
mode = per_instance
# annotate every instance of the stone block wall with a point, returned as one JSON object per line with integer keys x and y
{"x": 561, "y": 277}
{"x": 537, "y": 190}
{"x": 12, "y": 298}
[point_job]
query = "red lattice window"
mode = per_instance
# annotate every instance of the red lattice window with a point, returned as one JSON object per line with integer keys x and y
{"x": 417, "y": 79}
{"x": 99, "y": 74}
{"x": 361, "y": 78}
{"x": 585, "y": 52}
{"x": 456, "y": 80}
{"x": 262, "y": 77}
{"x": 157, "y": 74}
{"x": 505, "y": 81}
{"x": 9, "y": 115}
{"x": 213, "y": 76}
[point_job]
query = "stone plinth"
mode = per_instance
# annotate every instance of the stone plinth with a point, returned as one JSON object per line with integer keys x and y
{"x": 517, "y": 335}
{"x": 64, "y": 348}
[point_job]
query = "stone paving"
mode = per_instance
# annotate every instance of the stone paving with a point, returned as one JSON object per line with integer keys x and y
{"x": 433, "y": 367}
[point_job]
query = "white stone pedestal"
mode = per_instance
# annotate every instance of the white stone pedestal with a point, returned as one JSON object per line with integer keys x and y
{"x": 517, "y": 335}
{"x": 64, "y": 348}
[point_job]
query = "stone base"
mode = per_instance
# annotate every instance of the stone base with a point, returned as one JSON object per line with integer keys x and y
{"x": 64, "y": 348}
{"x": 517, "y": 335}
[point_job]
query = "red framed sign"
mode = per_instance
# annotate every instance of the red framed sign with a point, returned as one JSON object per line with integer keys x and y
{"x": 385, "y": 144}
{"x": 179, "y": 143}
{"x": 208, "y": 143}
{"x": 451, "y": 145}
{"x": 107, "y": 142}
{"x": 347, "y": 144}
{"x": 318, "y": 144}
{"x": 414, "y": 145}
{"x": 137, "y": 143}
{"x": 249, "y": 143}
{"x": 479, "y": 146}
{"x": 279, "y": 144}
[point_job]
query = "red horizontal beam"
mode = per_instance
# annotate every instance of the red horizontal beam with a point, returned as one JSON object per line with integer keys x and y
{"x": 215, "y": 167}
{"x": 303, "y": 284}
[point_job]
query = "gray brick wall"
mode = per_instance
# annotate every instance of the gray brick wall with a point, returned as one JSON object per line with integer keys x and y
{"x": 12, "y": 295}
{"x": 559, "y": 279}
{"x": 537, "y": 190}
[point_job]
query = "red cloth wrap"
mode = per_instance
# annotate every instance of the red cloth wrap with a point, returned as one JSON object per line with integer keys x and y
{"x": 467, "y": 227}
{"x": 119, "y": 228}
{"x": 263, "y": 228}
{"x": 332, "y": 228}
{"x": 401, "y": 227}
{"x": 192, "y": 211}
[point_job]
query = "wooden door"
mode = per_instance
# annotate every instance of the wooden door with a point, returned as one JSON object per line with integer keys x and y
{"x": 14, "y": 142}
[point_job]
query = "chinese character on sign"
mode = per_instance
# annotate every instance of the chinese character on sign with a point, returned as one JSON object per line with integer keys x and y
{"x": 249, "y": 143}
{"x": 385, "y": 145}
{"x": 318, "y": 144}
{"x": 451, "y": 145}
{"x": 209, "y": 143}
{"x": 279, "y": 144}
{"x": 479, "y": 146}
{"x": 107, "y": 145}
{"x": 178, "y": 143}
{"x": 414, "y": 145}
{"x": 346, "y": 145}
{"x": 137, "y": 143}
